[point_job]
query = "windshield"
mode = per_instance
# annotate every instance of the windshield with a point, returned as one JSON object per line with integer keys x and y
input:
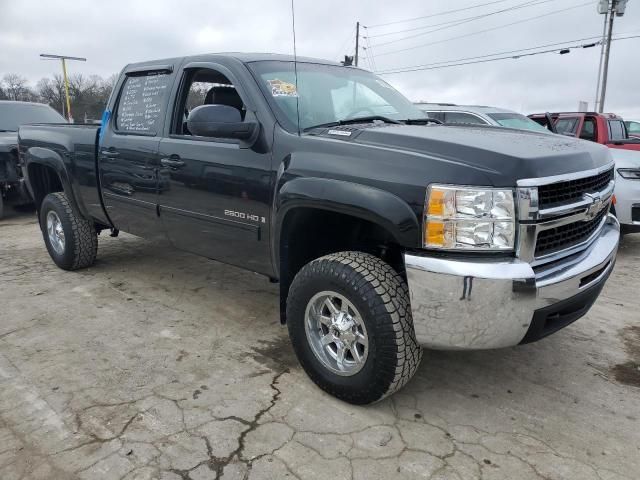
{"x": 328, "y": 93}
{"x": 633, "y": 127}
{"x": 12, "y": 115}
{"x": 516, "y": 120}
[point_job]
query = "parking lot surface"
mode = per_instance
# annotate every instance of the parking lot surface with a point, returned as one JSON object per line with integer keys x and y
{"x": 156, "y": 364}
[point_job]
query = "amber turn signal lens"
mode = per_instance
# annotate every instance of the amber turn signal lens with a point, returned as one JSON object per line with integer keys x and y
{"x": 436, "y": 203}
{"x": 434, "y": 234}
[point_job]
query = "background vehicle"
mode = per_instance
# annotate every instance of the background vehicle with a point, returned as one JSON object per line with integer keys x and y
{"x": 386, "y": 231}
{"x": 605, "y": 128}
{"x": 627, "y": 190}
{"x": 633, "y": 128}
{"x": 479, "y": 115}
{"x": 12, "y": 115}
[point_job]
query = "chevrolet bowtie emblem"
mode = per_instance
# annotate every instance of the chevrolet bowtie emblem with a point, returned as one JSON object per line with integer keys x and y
{"x": 594, "y": 208}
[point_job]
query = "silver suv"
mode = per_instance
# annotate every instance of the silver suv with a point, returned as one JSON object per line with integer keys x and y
{"x": 479, "y": 115}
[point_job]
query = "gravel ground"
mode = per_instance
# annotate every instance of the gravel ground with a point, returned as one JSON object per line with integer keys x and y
{"x": 156, "y": 364}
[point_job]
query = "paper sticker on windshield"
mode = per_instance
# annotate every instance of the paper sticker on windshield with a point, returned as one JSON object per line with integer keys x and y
{"x": 282, "y": 89}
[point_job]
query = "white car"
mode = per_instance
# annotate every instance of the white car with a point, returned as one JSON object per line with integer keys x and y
{"x": 479, "y": 115}
{"x": 627, "y": 190}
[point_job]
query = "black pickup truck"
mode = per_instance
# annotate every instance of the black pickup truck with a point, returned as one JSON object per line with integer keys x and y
{"x": 386, "y": 231}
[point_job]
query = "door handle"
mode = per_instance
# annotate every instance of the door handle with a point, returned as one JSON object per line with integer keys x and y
{"x": 109, "y": 153}
{"x": 174, "y": 162}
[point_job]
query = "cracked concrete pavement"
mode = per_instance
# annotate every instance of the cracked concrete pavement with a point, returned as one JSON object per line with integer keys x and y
{"x": 156, "y": 364}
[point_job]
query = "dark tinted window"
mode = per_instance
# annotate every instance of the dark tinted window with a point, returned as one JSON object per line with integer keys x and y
{"x": 616, "y": 130}
{"x": 461, "y": 117}
{"x": 567, "y": 126}
{"x": 588, "y": 131}
{"x": 12, "y": 115}
{"x": 142, "y": 103}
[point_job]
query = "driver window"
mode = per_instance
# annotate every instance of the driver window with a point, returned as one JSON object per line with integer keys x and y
{"x": 204, "y": 87}
{"x": 588, "y": 131}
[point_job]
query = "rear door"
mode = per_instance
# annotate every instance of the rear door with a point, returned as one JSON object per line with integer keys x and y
{"x": 128, "y": 151}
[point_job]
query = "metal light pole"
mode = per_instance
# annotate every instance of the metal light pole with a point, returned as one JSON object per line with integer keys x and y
{"x": 614, "y": 8}
{"x": 602, "y": 43}
{"x": 64, "y": 59}
{"x": 357, "y": 42}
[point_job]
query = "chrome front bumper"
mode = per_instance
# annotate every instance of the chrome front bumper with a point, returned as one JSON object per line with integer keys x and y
{"x": 475, "y": 304}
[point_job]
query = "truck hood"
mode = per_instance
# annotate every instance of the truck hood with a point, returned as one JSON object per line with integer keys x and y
{"x": 8, "y": 141}
{"x": 626, "y": 158}
{"x": 504, "y": 155}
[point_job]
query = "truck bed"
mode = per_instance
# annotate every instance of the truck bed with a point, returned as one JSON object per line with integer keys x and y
{"x": 75, "y": 147}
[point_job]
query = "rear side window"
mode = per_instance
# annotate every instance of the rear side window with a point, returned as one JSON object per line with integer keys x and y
{"x": 567, "y": 126}
{"x": 616, "y": 130}
{"x": 460, "y": 117}
{"x": 142, "y": 104}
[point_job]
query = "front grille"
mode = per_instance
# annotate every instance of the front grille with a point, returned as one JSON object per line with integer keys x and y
{"x": 567, "y": 236}
{"x": 572, "y": 190}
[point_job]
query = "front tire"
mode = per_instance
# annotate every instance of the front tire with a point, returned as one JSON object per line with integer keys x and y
{"x": 72, "y": 241}
{"x": 349, "y": 320}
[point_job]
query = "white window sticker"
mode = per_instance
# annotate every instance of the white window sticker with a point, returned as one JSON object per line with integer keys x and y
{"x": 280, "y": 88}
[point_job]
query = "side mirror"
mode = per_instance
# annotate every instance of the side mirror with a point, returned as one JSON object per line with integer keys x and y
{"x": 220, "y": 121}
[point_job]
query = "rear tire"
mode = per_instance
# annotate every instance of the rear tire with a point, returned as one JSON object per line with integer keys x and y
{"x": 372, "y": 304}
{"x": 71, "y": 240}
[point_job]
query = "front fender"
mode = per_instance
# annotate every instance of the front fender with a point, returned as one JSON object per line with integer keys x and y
{"x": 368, "y": 203}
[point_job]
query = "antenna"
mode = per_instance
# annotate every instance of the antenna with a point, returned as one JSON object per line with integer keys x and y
{"x": 295, "y": 62}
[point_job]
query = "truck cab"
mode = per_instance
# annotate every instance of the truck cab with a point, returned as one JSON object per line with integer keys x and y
{"x": 604, "y": 128}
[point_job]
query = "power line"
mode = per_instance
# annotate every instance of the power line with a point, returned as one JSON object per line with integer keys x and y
{"x": 436, "y": 14}
{"x": 411, "y": 67}
{"x": 512, "y": 57}
{"x": 485, "y": 30}
{"x": 455, "y": 23}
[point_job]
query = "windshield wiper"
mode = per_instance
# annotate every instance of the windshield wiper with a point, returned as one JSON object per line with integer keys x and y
{"x": 2, "y": 130}
{"x": 350, "y": 121}
{"x": 421, "y": 121}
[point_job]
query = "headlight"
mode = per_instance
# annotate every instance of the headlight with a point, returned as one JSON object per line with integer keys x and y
{"x": 630, "y": 173}
{"x": 469, "y": 218}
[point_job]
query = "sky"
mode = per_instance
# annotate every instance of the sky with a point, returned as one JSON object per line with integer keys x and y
{"x": 114, "y": 33}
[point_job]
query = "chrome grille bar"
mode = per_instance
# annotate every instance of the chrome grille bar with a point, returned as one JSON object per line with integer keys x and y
{"x": 534, "y": 219}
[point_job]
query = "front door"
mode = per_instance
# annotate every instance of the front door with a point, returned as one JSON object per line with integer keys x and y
{"x": 215, "y": 196}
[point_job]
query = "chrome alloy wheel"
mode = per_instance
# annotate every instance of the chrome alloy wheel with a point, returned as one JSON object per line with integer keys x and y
{"x": 336, "y": 333}
{"x": 55, "y": 232}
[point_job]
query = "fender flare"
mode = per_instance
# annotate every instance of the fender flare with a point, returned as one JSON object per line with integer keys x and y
{"x": 52, "y": 159}
{"x": 362, "y": 201}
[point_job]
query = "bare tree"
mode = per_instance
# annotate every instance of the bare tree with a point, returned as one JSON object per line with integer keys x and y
{"x": 51, "y": 92}
{"x": 16, "y": 88}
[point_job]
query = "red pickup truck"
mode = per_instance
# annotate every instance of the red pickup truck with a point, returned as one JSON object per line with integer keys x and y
{"x": 605, "y": 128}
